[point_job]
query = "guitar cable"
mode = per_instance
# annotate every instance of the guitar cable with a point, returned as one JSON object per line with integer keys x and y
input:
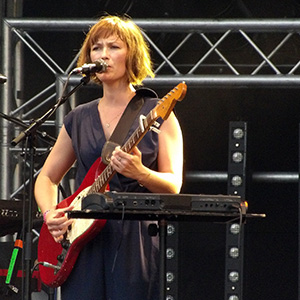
{"x": 240, "y": 219}
{"x": 121, "y": 239}
{"x": 45, "y": 264}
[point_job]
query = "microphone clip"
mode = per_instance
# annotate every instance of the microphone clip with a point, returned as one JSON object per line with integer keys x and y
{"x": 98, "y": 66}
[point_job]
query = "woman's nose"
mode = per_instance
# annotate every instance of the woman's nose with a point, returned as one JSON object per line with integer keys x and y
{"x": 104, "y": 53}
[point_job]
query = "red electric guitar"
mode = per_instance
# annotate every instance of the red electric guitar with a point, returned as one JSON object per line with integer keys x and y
{"x": 57, "y": 259}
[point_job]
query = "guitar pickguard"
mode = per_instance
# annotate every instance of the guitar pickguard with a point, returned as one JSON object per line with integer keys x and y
{"x": 79, "y": 226}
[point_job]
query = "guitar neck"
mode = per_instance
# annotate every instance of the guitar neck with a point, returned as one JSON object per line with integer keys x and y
{"x": 140, "y": 132}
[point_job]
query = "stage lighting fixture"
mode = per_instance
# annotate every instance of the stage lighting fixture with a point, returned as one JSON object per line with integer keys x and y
{"x": 236, "y": 180}
{"x": 234, "y": 252}
{"x": 171, "y": 261}
{"x": 171, "y": 229}
{"x": 237, "y": 157}
{"x": 238, "y": 133}
{"x": 235, "y": 228}
{"x": 170, "y": 277}
{"x": 233, "y": 276}
{"x": 170, "y": 253}
{"x": 236, "y": 185}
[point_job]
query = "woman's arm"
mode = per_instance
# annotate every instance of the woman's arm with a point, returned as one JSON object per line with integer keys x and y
{"x": 56, "y": 166}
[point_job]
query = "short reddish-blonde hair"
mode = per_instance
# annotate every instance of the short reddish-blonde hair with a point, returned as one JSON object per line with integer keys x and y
{"x": 138, "y": 61}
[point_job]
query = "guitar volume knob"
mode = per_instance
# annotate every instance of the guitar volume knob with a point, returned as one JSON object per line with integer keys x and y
{"x": 60, "y": 258}
{"x": 65, "y": 244}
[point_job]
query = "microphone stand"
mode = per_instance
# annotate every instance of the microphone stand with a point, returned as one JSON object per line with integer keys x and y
{"x": 20, "y": 123}
{"x": 50, "y": 140}
{"x": 29, "y": 134}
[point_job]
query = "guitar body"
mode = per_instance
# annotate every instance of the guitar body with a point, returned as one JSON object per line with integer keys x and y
{"x": 82, "y": 231}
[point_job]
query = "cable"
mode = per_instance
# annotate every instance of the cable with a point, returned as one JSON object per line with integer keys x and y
{"x": 45, "y": 264}
{"x": 121, "y": 239}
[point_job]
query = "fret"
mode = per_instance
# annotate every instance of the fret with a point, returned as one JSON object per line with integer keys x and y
{"x": 150, "y": 120}
{"x": 127, "y": 145}
{"x": 92, "y": 189}
{"x": 146, "y": 123}
{"x": 138, "y": 133}
{"x": 104, "y": 175}
{"x": 131, "y": 143}
{"x": 111, "y": 170}
{"x": 107, "y": 174}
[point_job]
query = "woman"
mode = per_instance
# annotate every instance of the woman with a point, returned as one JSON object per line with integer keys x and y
{"x": 121, "y": 262}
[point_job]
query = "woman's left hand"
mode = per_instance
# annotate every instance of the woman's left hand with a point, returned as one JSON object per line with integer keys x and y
{"x": 129, "y": 165}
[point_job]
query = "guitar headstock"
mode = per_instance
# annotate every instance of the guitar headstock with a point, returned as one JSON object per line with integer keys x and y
{"x": 167, "y": 103}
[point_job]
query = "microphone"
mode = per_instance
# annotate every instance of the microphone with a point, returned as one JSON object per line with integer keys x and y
{"x": 98, "y": 66}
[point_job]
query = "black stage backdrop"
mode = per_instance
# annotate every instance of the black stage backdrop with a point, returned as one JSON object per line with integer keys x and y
{"x": 271, "y": 244}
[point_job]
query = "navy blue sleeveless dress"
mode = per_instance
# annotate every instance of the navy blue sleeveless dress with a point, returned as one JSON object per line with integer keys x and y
{"x": 121, "y": 263}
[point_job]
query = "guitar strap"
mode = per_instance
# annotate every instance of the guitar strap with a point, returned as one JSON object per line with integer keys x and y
{"x": 118, "y": 136}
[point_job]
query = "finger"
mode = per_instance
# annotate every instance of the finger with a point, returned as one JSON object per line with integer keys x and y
{"x": 62, "y": 222}
{"x": 116, "y": 151}
{"x": 116, "y": 162}
{"x": 64, "y": 209}
{"x": 136, "y": 151}
{"x": 57, "y": 233}
{"x": 59, "y": 222}
{"x": 61, "y": 212}
{"x": 58, "y": 239}
{"x": 57, "y": 230}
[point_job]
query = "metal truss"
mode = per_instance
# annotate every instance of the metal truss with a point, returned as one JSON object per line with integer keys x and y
{"x": 204, "y": 53}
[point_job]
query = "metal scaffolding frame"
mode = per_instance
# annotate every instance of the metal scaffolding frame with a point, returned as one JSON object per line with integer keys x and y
{"x": 258, "y": 65}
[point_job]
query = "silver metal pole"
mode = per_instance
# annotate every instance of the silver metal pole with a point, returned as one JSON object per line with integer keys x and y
{"x": 6, "y": 105}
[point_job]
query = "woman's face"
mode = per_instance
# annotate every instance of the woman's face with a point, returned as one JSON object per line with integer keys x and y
{"x": 114, "y": 52}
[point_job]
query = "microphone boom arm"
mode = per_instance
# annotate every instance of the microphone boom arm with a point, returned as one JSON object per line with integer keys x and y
{"x": 38, "y": 122}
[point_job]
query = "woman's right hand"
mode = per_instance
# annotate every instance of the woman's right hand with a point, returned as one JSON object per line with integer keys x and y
{"x": 58, "y": 222}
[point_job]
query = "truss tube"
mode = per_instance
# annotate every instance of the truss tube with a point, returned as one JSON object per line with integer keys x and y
{"x": 62, "y": 110}
{"x": 272, "y": 53}
{"x": 219, "y": 53}
{"x": 265, "y": 58}
{"x": 228, "y": 81}
{"x": 163, "y": 25}
{"x": 213, "y": 48}
{"x": 218, "y": 81}
{"x": 258, "y": 177}
{"x": 6, "y": 107}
